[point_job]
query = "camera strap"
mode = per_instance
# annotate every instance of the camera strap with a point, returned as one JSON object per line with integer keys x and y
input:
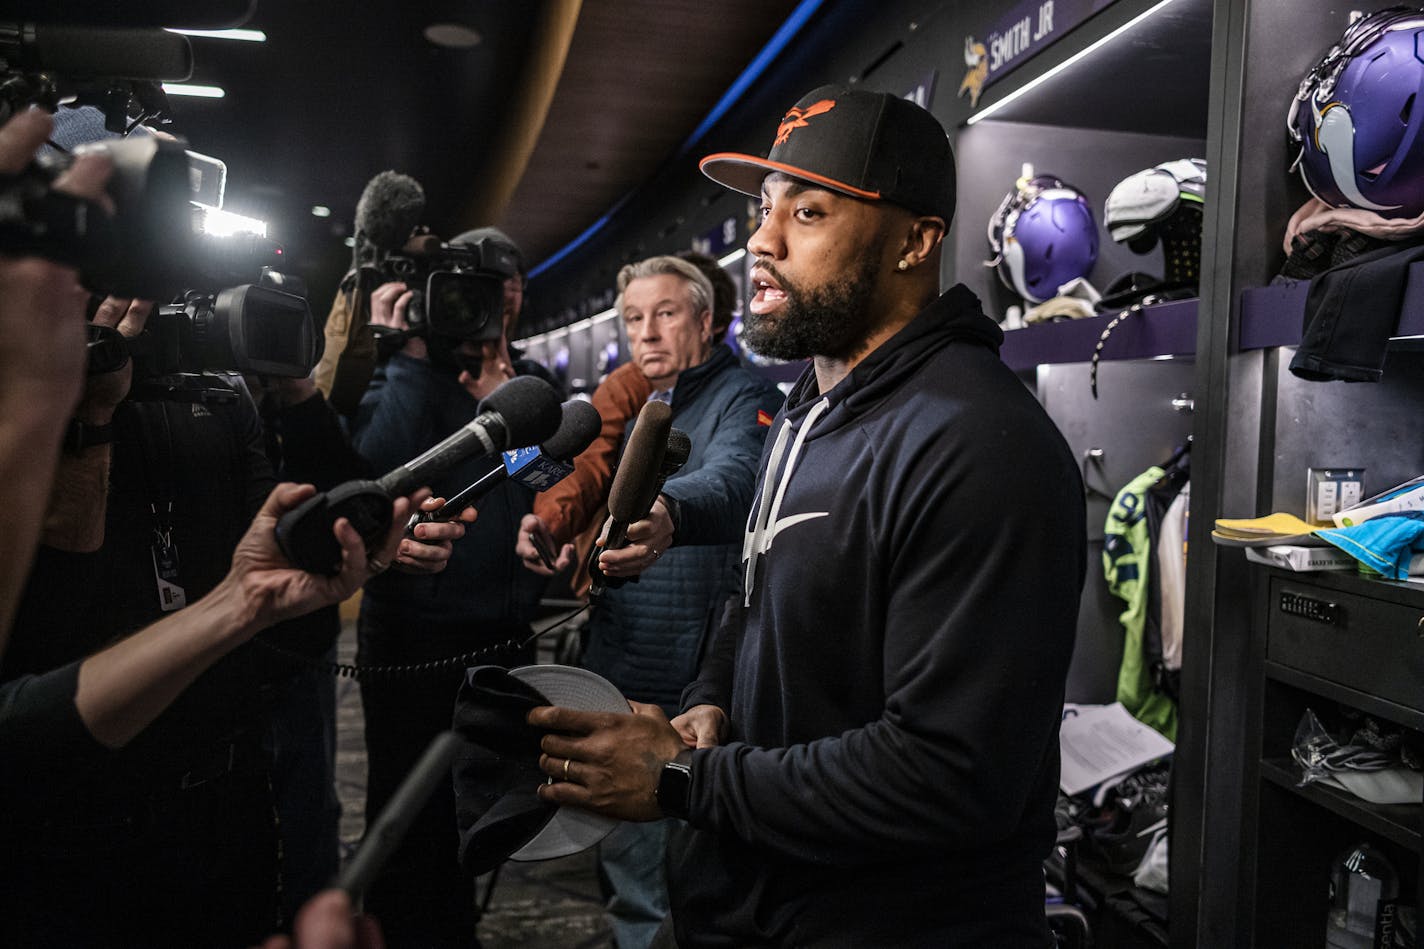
{"x": 158, "y": 469}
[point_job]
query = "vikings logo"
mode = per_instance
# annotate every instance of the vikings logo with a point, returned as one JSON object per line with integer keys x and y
{"x": 976, "y": 57}
{"x": 796, "y": 119}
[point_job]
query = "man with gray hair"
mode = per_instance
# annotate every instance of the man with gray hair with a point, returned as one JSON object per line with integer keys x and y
{"x": 646, "y": 638}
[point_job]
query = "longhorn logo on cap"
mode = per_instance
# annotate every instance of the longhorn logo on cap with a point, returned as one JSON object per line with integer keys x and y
{"x": 796, "y": 119}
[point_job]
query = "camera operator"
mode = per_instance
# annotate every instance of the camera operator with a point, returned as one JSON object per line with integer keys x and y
{"x": 421, "y": 394}
{"x": 41, "y": 362}
{"x": 175, "y": 832}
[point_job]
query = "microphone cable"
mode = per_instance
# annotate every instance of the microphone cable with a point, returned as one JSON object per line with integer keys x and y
{"x": 371, "y": 673}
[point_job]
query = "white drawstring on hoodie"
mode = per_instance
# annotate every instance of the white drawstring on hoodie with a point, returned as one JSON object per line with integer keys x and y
{"x": 758, "y": 537}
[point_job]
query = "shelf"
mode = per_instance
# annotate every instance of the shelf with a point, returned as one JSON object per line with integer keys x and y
{"x": 1135, "y": 65}
{"x": 1163, "y": 329}
{"x": 1275, "y": 315}
{"x": 1363, "y": 701}
{"x": 1347, "y": 581}
{"x": 1399, "y": 823}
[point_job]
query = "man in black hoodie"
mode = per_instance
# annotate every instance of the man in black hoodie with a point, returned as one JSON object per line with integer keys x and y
{"x": 870, "y": 755}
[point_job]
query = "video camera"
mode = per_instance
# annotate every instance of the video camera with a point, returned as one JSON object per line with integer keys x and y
{"x": 152, "y": 245}
{"x": 168, "y": 233}
{"x": 457, "y": 289}
{"x": 265, "y": 328}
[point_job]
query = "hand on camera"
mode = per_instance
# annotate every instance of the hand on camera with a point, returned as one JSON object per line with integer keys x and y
{"x": 389, "y": 303}
{"x": 104, "y": 392}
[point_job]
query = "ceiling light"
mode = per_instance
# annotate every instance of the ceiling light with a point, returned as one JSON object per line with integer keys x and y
{"x": 199, "y": 92}
{"x": 733, "y": 257}
{"x": 321, "y": 210}
{"x": 350, "y": 242}
{"x": 989, "y": 110}
{"x": 220, "y": 223}
{"x": 452, "y": 35}
{"x": 784, "y": 36}
{"x": 246, "y": 36}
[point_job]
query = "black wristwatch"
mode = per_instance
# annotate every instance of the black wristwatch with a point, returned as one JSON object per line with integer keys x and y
{"x": 81, "y": 435}
{"x": 675, "y": 786}
{"x": 674, "y": 509}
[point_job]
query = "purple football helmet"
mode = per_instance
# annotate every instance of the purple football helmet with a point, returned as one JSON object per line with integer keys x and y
{"x": 1355, "y": 117}
{"x": 1042, "y": 236}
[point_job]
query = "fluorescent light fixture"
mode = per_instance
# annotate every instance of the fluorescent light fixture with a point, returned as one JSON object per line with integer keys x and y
{"x": 321, "y": 210}
{"x": 783, "y": 37}
{"x": 350, "y": 242}
{"x": 586, "y": 323}
{"x": 197, "y": 92}
{"x": 1032, "y": 84}
{"x": 452, "y": 35}
{"x": 220, "y": 223}
{"x": 732, "y": 258}
{"x": 245, "y": 36}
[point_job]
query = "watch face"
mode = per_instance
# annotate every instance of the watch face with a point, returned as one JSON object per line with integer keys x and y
{"x": 675, "y": 789}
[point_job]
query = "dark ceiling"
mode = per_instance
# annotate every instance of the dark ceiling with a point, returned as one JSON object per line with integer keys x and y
{"x": 559, "y": 112}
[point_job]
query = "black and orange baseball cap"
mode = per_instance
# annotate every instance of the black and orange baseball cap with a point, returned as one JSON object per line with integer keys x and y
{"x": 870, "y": 145}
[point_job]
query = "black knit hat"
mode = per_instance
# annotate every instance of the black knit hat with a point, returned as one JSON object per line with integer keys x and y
{"x": 869, "y": 145}
{"x": 501, "y": 240}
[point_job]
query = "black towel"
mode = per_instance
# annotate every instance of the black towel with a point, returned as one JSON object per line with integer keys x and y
{"x": 1351, "y": 312}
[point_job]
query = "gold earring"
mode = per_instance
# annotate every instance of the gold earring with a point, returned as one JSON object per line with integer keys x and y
{"x": 904, "y": 264}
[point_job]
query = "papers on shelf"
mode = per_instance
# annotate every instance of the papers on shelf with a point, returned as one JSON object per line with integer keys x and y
{"x": 1099, "y": 742}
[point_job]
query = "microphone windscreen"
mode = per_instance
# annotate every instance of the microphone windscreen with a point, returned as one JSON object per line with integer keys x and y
{"x": 679, "y": 447}
{"x": 577, "y": 430}
{"x": 529, "y": 409}
{"x": 110, "y": 52}
{"x": 390, "y": 207}
{"x": 635, "y": 483}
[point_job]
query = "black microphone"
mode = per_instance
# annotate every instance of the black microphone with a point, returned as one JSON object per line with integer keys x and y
{"x": 389, "y": 209}
{"x": 537, "y": 468}
{"x": 522, "y": 411}
{"x": 635, "y": 484}
{"x": 389, "y": 828}
{"x": 208, "y": 15}
{"x": 679, "y": 447}
{"x": 110, "y": 52}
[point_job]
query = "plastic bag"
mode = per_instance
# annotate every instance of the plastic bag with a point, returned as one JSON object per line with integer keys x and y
{"x": 1320, "y": 756}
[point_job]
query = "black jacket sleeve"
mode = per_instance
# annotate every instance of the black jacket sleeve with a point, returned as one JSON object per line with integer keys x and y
{"x": 40, "y": 728}
{"x": 315, "y": 449}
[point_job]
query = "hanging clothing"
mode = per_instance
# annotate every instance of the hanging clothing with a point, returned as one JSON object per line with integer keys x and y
{"x": 1172, "y": 575}
{"x": 1351, "y": 312}
{"x": 1145, "y": 687}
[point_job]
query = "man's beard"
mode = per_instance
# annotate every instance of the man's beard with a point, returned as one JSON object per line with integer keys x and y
{"x": 832, "y": 320}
